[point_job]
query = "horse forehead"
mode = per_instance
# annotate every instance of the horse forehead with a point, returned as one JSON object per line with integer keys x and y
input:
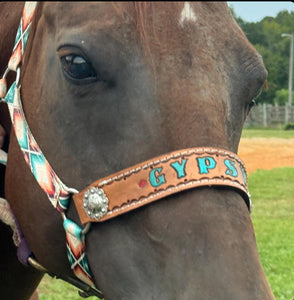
{"x": 108, "y": 13}
{"x": 170, "y": 31}
{"x": 163, "y": 22}
{"x": 77, "y": 13}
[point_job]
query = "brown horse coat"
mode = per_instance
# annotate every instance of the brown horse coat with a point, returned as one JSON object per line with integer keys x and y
{"x": 159, "y": 77}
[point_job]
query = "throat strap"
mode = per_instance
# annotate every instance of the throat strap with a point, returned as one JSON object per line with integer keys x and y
{"x": 160, "y": 177}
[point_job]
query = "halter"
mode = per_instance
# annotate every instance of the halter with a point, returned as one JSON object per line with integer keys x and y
{"x": 119, "y": 193}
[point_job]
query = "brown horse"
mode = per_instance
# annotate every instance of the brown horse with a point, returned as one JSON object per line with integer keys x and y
{"x": 106, "y": 86}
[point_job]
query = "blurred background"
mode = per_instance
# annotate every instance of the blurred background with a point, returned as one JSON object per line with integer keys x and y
{"x": 269, "y": 26}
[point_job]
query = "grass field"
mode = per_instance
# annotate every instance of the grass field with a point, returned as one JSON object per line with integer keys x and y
{"x": 267, "y": 133}
{"x": 273, "y": 219}
{"x": 54, "y": 289}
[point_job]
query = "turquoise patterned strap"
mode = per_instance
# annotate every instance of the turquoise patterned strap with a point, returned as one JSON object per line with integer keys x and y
{"x": 22, "y": 35}
{"x": 34, "y": 157}
{"x": 58, "y": 193}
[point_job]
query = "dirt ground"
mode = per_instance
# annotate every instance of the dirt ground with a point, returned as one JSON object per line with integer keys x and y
{"x": 266, "y": 153}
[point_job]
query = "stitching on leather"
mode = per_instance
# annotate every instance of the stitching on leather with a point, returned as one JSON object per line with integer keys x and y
{"x": 173, "y": 156}
{"x": 172, "y": 189}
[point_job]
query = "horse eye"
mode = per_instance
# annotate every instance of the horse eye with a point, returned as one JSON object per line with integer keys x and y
{"x": 78, "y": 69}
{"x": 252, "y": 104}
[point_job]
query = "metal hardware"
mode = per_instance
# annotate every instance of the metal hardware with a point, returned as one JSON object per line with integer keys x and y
{"x": 95, "y": 203}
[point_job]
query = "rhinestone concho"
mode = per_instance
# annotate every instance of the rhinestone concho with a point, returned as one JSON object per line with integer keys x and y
{"x": 95, "y": 203}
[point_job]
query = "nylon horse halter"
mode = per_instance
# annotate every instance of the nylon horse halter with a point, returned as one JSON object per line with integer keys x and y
{"x": 118, "y": 193}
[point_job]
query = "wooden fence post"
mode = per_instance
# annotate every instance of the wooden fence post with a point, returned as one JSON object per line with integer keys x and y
{"x": 264, "y": 115}
{"x": 286, "y": 113}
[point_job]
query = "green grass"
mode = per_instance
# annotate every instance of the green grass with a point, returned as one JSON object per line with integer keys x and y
{"x": 267, "y": 133}
{"x": 273, "y": 219}
{"x": 55, "y": 289}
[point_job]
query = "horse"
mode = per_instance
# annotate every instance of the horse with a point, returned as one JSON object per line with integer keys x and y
{"x": 105, "y": 86}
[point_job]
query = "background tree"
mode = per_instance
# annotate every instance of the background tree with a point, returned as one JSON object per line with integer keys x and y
{"x": 265, "y": 36}
{"x": 281, "y": 97}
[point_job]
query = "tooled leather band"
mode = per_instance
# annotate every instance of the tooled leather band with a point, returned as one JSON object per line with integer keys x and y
{"x": 160, "y": 177}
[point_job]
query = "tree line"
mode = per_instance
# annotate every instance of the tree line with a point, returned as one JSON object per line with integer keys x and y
{"x": 265, "y": 36}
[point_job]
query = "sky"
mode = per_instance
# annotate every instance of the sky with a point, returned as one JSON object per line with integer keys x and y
{"x": 255, "y": 11}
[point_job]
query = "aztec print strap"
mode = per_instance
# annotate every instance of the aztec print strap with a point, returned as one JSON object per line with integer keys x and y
{"x": 76, "y": 252}
{"x": 50, "y": 183}
{"x": 57, "y": 192}
{"x": 158, "y": 178}
{"x": 22, "y": 35}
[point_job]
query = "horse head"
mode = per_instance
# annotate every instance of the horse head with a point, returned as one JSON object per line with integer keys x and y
{"x": 106, "y": 86}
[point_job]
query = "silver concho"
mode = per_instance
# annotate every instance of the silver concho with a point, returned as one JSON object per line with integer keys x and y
{"x": 95, "y": 203}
